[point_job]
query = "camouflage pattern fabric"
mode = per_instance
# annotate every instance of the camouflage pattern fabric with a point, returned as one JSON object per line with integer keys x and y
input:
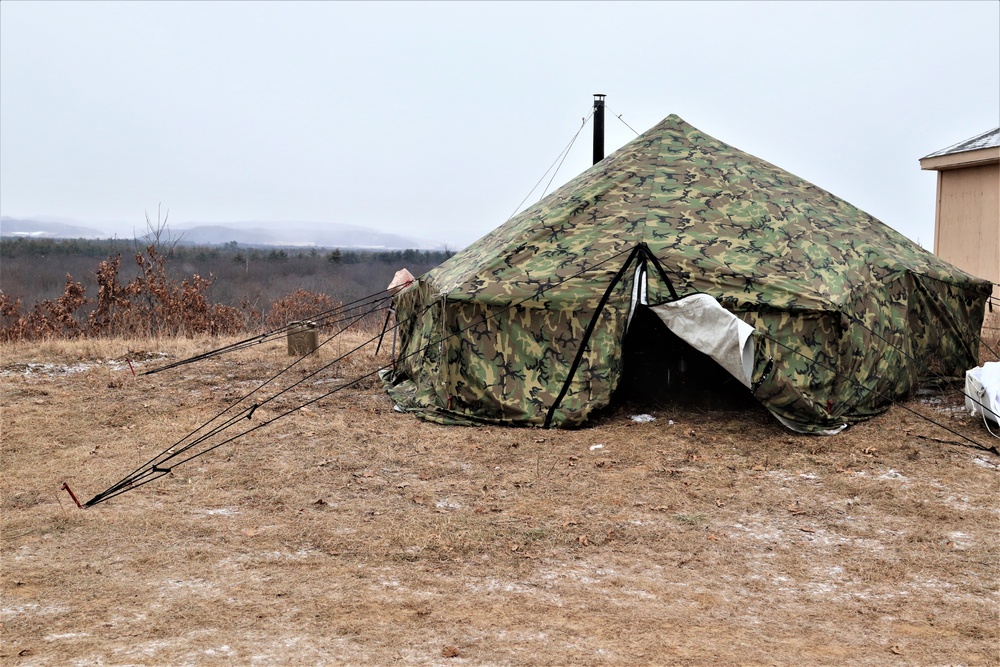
{"x": 849, "y": 314}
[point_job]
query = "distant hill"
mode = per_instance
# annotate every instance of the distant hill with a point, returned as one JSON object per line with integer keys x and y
{"x": 47, "y": 229}
{"x": 257, "y": 233}
{"x": 323, "y": 234}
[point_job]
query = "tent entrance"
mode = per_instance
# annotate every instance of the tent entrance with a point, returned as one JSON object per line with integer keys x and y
{"x": 660, "y": 369}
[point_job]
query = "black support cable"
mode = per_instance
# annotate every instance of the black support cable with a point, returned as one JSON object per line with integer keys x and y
{"x": 636, "y": 251}
{"x": 153, "y": 469}
{"x": 241, "y": 345}
{"x": 619, "y": 117}
{"x": 173, "y": 452}
{"x": 321, "y": 319}
{"x": 888, "y": 399}
{"x": 562, "y": 155}
{"x": 144, "y": 474}
{"x": 930, "y": 371}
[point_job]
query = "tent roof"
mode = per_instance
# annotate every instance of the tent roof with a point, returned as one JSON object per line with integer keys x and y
{"x": 719, "y": 220}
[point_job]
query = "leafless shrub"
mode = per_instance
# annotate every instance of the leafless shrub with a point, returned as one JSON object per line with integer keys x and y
{"x": 152, "y": 304}
{"x": 48, "y": 319}
{"x": 300, "y": 305}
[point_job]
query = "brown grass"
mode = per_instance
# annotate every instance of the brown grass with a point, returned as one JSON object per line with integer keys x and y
{"x": 348, "y": 533}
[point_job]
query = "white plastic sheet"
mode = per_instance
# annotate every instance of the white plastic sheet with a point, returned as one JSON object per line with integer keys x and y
{"x": 982, "y": 391}
{"x": 706, "y": 326}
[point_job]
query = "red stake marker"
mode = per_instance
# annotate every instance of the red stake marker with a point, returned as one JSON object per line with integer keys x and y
{"x": 72, "y": 495}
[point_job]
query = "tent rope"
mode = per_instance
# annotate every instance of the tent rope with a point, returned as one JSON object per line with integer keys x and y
{"x": 156, "y": 463}
{"x": 588, "y": 333}
{"x": 888, "y": 399}
{"x": 619, "y": 117}
{"x": 559, "y": 159}
{"x": 322, "y": 319}
{"x": 154, "y": 468}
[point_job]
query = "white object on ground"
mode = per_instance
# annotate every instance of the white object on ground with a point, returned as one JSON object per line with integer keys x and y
{"x": 982, "y": 391}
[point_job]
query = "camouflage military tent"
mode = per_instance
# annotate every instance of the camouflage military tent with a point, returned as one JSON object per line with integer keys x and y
{"x": 823, "y": 312}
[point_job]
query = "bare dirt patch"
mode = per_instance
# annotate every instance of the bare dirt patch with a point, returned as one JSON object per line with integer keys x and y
{"x": 349, "y": 533}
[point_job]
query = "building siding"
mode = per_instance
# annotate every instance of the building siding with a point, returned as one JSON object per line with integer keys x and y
{"x": 967, "y": 233}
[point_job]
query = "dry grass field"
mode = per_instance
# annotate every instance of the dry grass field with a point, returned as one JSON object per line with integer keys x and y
{"x": 347, "y": 533}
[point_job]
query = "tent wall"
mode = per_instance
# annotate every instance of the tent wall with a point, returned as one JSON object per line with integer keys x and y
{"x": 508, "y": 364}
{"x": 830, "y": 368}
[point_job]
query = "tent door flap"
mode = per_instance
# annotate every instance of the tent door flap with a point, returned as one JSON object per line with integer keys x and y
{"x": 706, "y": 326}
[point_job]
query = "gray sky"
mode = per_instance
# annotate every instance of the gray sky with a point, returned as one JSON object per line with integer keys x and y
{"x": 435, "y": 120}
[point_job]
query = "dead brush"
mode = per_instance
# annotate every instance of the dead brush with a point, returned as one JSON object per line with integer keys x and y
{"x": 48, "y": 319}
{"x": 303, "y": 305}
{"x": 154, "y": 304}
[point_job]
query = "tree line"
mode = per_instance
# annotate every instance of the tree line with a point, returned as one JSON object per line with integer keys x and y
{"x": 54, "y": 287}
{"x": 22, "y": 246}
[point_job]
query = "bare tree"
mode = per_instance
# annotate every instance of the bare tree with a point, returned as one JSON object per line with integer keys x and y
{"x": 158, "y": 234}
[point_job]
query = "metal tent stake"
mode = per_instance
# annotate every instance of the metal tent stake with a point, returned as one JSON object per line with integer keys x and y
{"x": 65, "y": 487}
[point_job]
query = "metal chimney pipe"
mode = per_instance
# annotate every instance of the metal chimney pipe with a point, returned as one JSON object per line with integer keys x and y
{"x": 598, "y": 127}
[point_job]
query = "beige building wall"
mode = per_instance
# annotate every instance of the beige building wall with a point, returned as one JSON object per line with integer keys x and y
{"x": 967, "y": 230}
{"x": 967, "y": 221}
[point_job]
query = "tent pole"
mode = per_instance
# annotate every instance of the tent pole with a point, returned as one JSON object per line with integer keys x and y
{"x": 648, "y": 254}
{"x": 586, "y": 336}
{"x": 598, "y": 127}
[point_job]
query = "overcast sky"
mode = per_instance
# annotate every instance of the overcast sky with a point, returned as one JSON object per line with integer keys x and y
{"x": 436, "y": 119}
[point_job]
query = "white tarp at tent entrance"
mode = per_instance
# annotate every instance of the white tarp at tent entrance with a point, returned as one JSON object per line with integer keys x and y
{"x": 706, "y": 326}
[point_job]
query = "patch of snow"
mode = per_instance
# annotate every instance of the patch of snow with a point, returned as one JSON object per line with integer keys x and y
{"x": 645, "y": 595}
{"x": 287, "y": 555}
{"x": 819, "y": 588}
{"x": 596, "y": 447}
{"x": 45, "y": 370}
{"x": 983, "y": 463}
{"x": 520, "y": 635}
{"x": 188, "y": 583}
{"x": 492, "y": 585}
{"x": 760, "y": 532}
{"x": 66, "y": 635}
{"x": 447, "y": 504}
{"x": 222, "y": 650}
{"x": 149, "y": 648}
{"x": 32, "y": 608}
{"x": 221, "y": 511}
{"x": 642, "y": 419}
{"x": 574, "y": 574}
{"x": 961, "y": 540}
{"x": 893, "y": 474}
{"x": 50, "y": 370}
